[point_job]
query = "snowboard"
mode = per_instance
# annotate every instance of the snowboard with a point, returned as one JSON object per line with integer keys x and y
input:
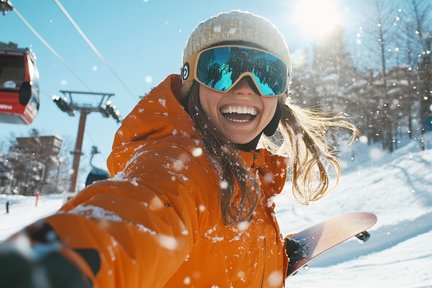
{"x": 306, "y": 245}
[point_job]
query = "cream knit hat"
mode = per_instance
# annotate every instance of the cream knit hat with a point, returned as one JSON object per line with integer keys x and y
{"x": 234, "y": 26}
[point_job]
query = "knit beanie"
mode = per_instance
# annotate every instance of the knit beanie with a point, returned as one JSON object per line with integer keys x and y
{"x": 234, "y": 26}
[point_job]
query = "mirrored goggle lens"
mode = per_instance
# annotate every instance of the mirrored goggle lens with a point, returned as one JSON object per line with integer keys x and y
{"x": 220, "y": 67}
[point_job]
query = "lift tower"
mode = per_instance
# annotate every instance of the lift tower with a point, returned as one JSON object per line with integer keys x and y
{"x": 68, "y": 105}
{"x": 5, "y": 6}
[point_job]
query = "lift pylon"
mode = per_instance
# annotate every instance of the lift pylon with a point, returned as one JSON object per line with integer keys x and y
{"x": 68, "y": 105}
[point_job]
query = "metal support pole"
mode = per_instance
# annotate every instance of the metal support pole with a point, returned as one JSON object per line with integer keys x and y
{"x": 77, "y": 152}
{"x": 66, "y": 104}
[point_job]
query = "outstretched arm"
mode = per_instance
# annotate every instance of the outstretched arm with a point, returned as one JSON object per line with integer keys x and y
{"x": 133, "y": 232}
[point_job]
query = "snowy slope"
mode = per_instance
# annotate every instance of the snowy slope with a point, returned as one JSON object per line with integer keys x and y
{"x": 23, "y": 211}
{"x": 397, "y": 187}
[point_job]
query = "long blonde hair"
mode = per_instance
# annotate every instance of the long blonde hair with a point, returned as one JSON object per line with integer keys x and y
{"x": 301, "y": 135}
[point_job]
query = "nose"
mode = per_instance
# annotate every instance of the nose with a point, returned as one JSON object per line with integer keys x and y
{"x": 245, "y": 86}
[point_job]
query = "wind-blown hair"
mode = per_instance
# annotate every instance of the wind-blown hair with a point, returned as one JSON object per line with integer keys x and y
{"x": 301, "y": 136}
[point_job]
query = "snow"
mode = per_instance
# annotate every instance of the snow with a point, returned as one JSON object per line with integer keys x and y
{"x": 396, "y": 187}
{"x": 23, "y": 211}
{"x": 90, "y": 211}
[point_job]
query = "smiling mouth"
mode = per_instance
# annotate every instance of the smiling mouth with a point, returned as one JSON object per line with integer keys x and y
{"x": 239, "y": 114}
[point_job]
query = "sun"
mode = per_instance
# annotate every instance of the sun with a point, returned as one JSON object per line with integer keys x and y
{"x": 316, "y": 18}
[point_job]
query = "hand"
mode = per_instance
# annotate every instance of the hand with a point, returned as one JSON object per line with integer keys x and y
{"x": 39, "y": 266}
{"x": 294, "y": 251}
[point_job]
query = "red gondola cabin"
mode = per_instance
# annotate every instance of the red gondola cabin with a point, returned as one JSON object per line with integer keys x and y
{"x": 19, "y": 85}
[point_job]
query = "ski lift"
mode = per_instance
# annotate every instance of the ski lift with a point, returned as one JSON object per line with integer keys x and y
{"x": 96, "y": 174}
{"x": 19, "y": 85}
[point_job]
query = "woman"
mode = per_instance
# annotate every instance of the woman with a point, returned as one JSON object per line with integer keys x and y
{"x": 189, "y": 203}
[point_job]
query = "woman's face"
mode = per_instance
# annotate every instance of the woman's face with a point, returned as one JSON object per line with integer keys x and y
{"x": 239, "y": 114}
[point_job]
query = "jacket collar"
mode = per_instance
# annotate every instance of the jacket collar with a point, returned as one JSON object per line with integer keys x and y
{"x": 158, "y": 114}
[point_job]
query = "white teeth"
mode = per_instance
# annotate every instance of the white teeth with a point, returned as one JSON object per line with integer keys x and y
{"x": 240, "y": 110}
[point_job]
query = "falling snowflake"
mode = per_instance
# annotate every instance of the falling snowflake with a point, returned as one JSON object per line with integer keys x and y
{"x": 275, "y": 279}
{"x": 197, "y": 152}
{"x": 187, "y": 280}
{"x": 168, "y": 242}
{"x": 242, "y": 226}
{"x": 223, "y": 184}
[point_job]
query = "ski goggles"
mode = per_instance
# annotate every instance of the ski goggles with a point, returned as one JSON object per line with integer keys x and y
{"x": 220, "y": 68}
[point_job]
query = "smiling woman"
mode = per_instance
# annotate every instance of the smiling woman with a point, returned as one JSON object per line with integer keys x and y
{"x": 194, "y": 170}
{"x": 316, "y": 18}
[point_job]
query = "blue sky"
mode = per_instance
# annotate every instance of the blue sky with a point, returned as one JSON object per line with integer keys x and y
{"x": 142, "y": 40}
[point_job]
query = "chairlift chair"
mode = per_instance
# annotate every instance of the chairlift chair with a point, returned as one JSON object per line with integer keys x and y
{"x": 96, "y": 174}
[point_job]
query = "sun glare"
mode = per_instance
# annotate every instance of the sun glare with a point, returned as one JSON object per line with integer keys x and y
{"x": 316, "y": 18}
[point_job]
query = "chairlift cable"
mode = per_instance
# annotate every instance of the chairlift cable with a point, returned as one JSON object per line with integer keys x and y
{"x": 93, "y": 47}
{"x": 57, "y": 54}
{"x": 33, "y": 30}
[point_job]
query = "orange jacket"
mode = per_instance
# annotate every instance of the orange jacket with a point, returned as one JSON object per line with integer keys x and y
{"x": 157, "y": 222}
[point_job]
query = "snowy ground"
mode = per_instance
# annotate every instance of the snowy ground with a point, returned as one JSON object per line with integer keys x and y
{"x": 23, "y": 211}
{"x": 397, "y": 188}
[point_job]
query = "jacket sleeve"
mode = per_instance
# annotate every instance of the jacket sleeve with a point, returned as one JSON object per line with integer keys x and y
{"x": 138, "y": 228}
